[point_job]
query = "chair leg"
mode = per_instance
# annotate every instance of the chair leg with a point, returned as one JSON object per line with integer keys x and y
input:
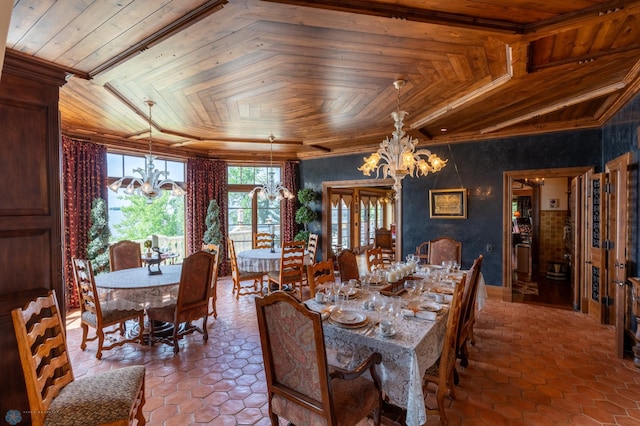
{"x": 85, "y": 333}
{"x": 100, "y": 334}
{"x": 440, "y": 399}
{"x": 176, "y": 347}
{"x": 456, "y": 377}
{"x": 464, "y": 354}
{"x": 205, "y": 332}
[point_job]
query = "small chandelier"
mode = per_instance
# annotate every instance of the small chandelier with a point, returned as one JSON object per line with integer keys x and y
{"x": 399, "y": 155}
{"x": 271, "y": 190}
{"x": 151, "y": 180}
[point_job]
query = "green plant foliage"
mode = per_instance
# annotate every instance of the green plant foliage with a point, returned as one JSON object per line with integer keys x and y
{"x": 213, "y": 235}
{"x": 164, "y": 216}
{"x": 305, "y": 214}
{"x": 99, "y": 234}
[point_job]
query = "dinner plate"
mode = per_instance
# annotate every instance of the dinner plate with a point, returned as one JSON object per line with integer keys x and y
{"x": 348, "y": 318}
{"x": 431, "y": 307}
{"x": 443, "y": 290}
{"x": 351, "y": 295}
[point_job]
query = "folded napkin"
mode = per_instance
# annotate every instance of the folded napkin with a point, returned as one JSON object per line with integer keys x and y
{"x": 425, "y": 315}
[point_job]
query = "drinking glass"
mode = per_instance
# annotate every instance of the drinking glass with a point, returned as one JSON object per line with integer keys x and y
{"x": 378, "y": 303}
{"x": 410, "y": 287}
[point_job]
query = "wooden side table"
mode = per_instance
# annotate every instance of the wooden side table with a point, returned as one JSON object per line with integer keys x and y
{"x": 635, "y": 306}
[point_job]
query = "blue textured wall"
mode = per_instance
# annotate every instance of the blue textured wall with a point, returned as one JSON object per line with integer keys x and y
{"x": 620, "y": 135}
{"x": 480, "y": 166}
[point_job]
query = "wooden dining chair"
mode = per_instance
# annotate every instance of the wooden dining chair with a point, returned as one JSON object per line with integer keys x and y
{"x": 125, "y": 254}
{"x": 465, "y": 329}
{"x": 192, "y": 303}
{"x": 374, "y": 259}
{"x": 439, "y": 378}
{"x": 291, "y": 273}
{"x": 348, "y": 265}
{"x": 113, "y": 397}
{"x": 240, "y": 277}
{"x": 214, "y": 249}
{"x": 384, "y": 241}
{"x": 301, "y": 387}
{"x": 422, "y": 251}
{"x": 320, "y": 274}
{"x": 102, "y": 319}
{"x": 312, "y": 247}
{"x": 262, "y": 240}
{"x": 444, "y": 249}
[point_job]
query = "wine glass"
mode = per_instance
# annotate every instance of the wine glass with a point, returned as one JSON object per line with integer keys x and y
{"x": 377, "y": 303}
{"x": 411, "y": 288}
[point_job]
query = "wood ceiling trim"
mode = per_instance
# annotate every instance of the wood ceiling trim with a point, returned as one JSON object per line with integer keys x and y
{"x": 396, "y": 11}
{"x": 582, "y": 59}
{"x": 557, "y": 106}
{"x": 174, "y": 27}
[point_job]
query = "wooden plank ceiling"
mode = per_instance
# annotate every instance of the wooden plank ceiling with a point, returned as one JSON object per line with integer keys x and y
{"x": 226, "y": 74}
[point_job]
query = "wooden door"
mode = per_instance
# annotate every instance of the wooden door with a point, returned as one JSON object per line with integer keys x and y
{"x": 595, "y": 264}
{"x": 618, "y": 195}
{"x": 574, "y": 237}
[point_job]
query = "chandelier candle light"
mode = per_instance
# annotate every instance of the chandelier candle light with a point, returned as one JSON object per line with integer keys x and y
{"x": 397, "y": 156}
{"x": 151, "y": 180}
{"x": 272, "y": 190}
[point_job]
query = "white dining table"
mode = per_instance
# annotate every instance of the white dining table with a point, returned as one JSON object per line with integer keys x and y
{"x": 120, "y": 289}
{"x": 262, "y": 260}
{"x": 406, "y": 356}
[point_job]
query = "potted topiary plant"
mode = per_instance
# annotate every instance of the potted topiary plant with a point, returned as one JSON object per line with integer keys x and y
{"x": 99, "y": 234}
{"x": 305, "y": 214}
{"x": 213, "y": 235}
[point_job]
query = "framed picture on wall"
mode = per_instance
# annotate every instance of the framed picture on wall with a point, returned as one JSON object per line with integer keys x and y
{"x": 448, "y": 203}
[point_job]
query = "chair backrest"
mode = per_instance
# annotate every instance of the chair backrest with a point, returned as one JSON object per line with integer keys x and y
{"x": 384, "y": 238}
{"x": 43, "y": 353}
{"x": 320, "y": 273}
{"x": 348, "y": 265}
{"x": 449, "y": 348}
{"x": 292, "y": 262}
{"x": 295, "y": 360}
{"x": 374, "y": 258}
{"x": 262, "y": 240}
{"x": 195, "y": 286}
{"x": 215, "y": 250}
{"x": 125, "y": 254}
{"x": 87, "y": 290}
{"x": 312, "y": 247}
{"x": 444, "y": 249}
{"x": 233, "y": 259}
{"x": 469, "y": 296}
{"x": 422, "y": 251}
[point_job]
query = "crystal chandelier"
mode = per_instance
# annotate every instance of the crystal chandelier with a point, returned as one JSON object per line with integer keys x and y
{"x": 151, "y": 180}
{"x": 271, "y": 190}
{"x": 397, "y": 156}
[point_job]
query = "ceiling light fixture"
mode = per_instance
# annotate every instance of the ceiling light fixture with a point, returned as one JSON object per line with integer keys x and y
{"x": 397, "y": 156}
{"x": 151, "y": 180}
{"x": 271, "y": 190}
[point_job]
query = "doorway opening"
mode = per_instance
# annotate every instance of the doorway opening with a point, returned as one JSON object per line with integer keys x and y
{"x": 540, "y": 214}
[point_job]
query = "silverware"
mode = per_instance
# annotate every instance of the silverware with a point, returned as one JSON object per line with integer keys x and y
{"x": 372, "y": 326}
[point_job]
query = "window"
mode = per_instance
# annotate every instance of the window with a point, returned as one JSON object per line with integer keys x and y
{"x": 132, "y": 218}
{"x": 340, "y": 222}
{"x": 248, "y": 216}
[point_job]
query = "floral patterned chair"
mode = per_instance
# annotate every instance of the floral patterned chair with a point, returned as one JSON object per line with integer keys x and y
{"x": 301, "y": 388}
{"x": 444, "y": 249}
{"x": 113, "y": 397}
{"x": 125, "y": 254}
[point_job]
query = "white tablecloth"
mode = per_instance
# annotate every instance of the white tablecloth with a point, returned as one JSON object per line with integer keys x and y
{"x": 262, "y": 260}
{"x": 121, "y": 289}
{"x": 406, "y": 356}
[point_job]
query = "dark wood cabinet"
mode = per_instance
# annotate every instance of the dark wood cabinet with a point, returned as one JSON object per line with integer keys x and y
{"x": 30, "y": 215}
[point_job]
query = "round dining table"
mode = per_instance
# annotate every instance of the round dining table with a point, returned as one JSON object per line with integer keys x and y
{"x": 263, "y": 260}
{"x": 122, "y": 288}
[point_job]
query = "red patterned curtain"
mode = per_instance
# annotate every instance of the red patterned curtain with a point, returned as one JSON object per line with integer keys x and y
{"x": 206, "y": 181}
{"x": 291, "y": 181}
{"x": 84, "y": 177}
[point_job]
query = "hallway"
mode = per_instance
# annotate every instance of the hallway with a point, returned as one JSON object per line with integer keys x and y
{"x": 531, "y": 366}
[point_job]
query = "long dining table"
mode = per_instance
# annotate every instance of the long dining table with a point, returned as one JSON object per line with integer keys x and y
{"x": 406, "y": 355}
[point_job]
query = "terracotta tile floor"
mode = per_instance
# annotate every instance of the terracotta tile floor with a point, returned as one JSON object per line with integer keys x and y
{"x": 531, "y": 366}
